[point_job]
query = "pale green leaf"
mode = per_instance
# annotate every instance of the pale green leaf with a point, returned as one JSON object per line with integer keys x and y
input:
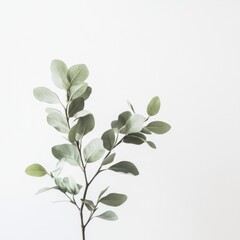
{"x": 158, "y": 127}
{"x": 113, "y": 199}
{"x": 108, "y": 138}
{"x": 58, "y": 121}
{"x": 125, "y": 167}
{"x": 44, "y": 94}
{"x": 71, "y": 186}
{"x": 80, "y": 91}
{"x": 59, "y": 74}
{"x": 75, "y": 106}
{"x": 114, "y": 124}
{"x": 134, "y": 124}
{"x": 67, "y": 152}
{"x": 108, "y": 159}
{"x": 77, "y": 74}
{"x": 145, "y": 131}
{"x": 94, "y": 150}
{"x": 89, "y": 204}
{"x": 52, "y": 110}
{"x": 153, "y": 106}
{"x": 36, "y": 170}
{"x": 108, "y": 215}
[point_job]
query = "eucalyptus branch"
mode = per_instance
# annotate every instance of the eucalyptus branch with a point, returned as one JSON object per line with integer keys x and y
{"x": 133, "y": 126}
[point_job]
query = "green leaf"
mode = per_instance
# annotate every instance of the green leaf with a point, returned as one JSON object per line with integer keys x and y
{"x": 58, "y": 121}
{"x": 123, "y": 118}
{"x": 113, "y": 199}
{"x": 84, "y": 125}
{"x": 94, "y": 150}
{"x": 158, "y": 127}
{"x": 67, "y": 184}
{"x": 135, "y": 138}
{"x": 151, "y": 144}
{"x": 102, "y": 192}
{"x": 108, "y": 215}
{"x": 114, "y": 124}
{"x": 71, "y": 186}
{"x": 44, "y": 94}
{"x": 75, "y": 106}
{"x": 87, "y": 93}
{"x": 36, "y": 170}
{"x": 109, "y": 159}
{"x": 59, "y": 74}
{"x": 153, "y": 106}
{"x": 46, "y": 189}
{"x": 145, "y": 131}
{"x": 67, "y": 152}
{"x": 134, "y": 124}
{"x": 125, "y": 167}
{"x": 131, "y": 106}
{"x": 108, "y": 138}
{"x": 77, "y": 74}
{"x": 79, "y": 91}
{"x": 89, "y": 204}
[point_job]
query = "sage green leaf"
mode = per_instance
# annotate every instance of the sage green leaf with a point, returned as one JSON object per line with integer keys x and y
{"x": 102, "y": 192}
{"x": 84, "y": 125}
{"x": 94, "y": 150}
{"x": 75, "y": 106}
{"x": 36, "y": 170}
{"x": 123, "y": 118}
{"x": 135, "y": 138}
{"x": 158, "y": 127}
{"x": 77, "y": 74}
{"x": 59, "y": 167}
{"x": 60, "y": 184}
{"x": 59, "y": 74}
{"x": 44, "y": 94}
{"x": 114, "y": 124}
{"x": 113, "y": 199}
{"x": 153, "y": 106}
{"x": 134, "y": 124}
{"x": 67, "y": 152}
{"x": 89, "y": 204}
{"x": 108, "y": 215}
{"x": 145, "y": 131}
{"x": 108, "y": 138}
{"x": 125, "y": 167}
{"x": 58, "y": 121}
{"x": 71, "y": 186}
{"x": 42, "y": 190}
{"x": 151, "y": 144}
{"x": 80, "y": 91}
{"x": 87, "y": 93}
{"x": 108, "y": 159}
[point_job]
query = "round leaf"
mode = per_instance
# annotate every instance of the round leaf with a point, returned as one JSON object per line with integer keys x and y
{"x": 58, "y": 121}
{"x": 94, "y": 150}
{"x": 135, "y": 138}
{"x": 153, "y": 106}
{"x": 44, "y": 94}
{"x": 108, "y": 138}
{"x": 109, "y": 159}
{"x": 36, "y": 170}
{"x": 125, "y": 167}
{"x": 59, "y": 74}
{"x": 134, "y": 124}
{"x": 77, "y": 74}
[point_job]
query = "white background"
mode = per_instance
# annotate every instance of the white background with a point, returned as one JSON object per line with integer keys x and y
{"x": 188, "y": 53}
